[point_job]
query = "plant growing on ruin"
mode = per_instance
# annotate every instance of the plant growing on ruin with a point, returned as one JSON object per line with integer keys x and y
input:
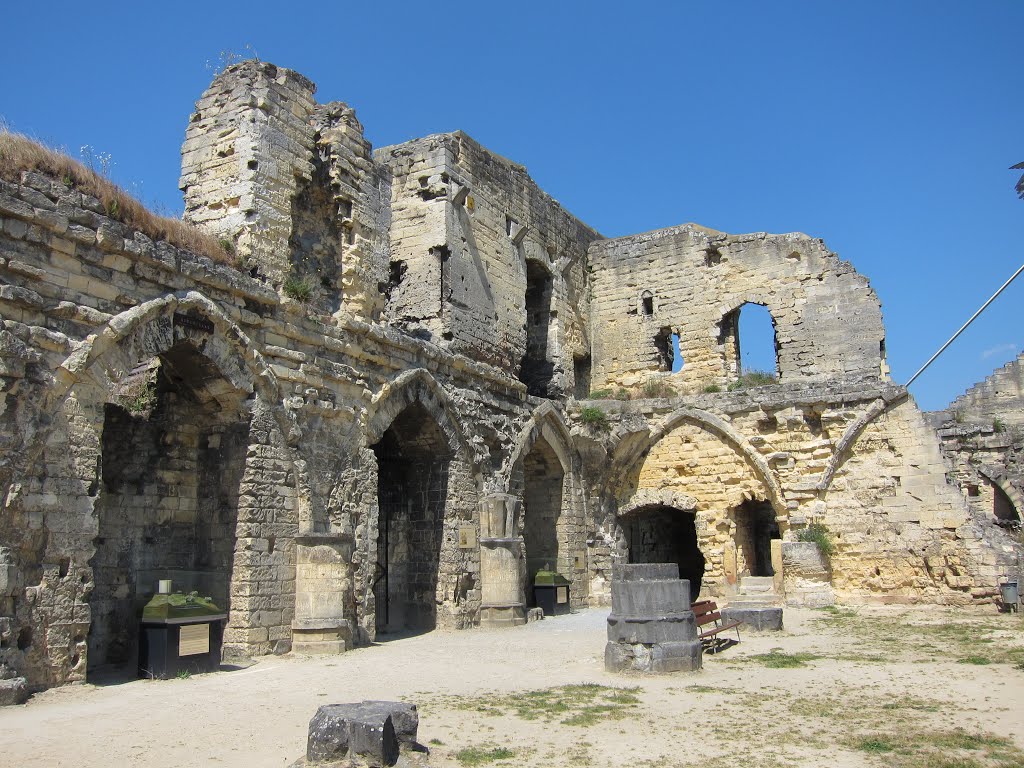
{"x": 753, "y": 379}
{"x": 656, "y": 388}
{"x": 600, "y": 394}
{"x": 998, "y": 425}
{"x": 139, "y": 398}
{"x": 818, "y": 533}
{"x": 594, "y": 418}
{"x": 711, "y": 389}
{"x": 19, "y": 154}
{"x": 298, "y": 288}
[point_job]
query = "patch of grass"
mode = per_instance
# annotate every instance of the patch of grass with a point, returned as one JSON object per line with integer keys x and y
{"x": 974, "y": 660}
{"x": 436, "y": 742}
{"x": 875, "y": 745}
{"x": 658, "y": 388}
{"x": 711, "y": 389}
{"x": 471, "y": 756}
{"x": 19, "y": 153}
{"x": 298, "y": 288}
{"x": 957, "y": 748}
{"x": 776, "y": 658}
{"x": 600, "y": 394}
{"x": 753, "y": 379}
{"x": 595, "y": 418}
{"x": 183, "y": 674}
{"x": 584, "y": 704}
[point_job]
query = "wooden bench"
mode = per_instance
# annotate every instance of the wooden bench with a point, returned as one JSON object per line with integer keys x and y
{"x": 710, "y": 625}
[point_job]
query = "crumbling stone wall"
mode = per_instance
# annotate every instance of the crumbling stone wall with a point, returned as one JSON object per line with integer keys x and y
{"x": 690, "y": 281}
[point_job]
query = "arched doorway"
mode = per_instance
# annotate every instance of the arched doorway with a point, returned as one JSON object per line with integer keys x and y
{"x": 413, "y": 459}
{"x": 662, "y": 534}
{"x": 543, "y": 479}
{"x": 173, "y": 450}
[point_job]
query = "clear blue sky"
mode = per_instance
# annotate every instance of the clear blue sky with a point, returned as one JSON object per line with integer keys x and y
{"x": 886, "y": 128}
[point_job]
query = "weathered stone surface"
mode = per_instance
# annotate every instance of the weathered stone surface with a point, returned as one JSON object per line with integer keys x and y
{"x": 755, "y": 618}
{"x": 370, "y": 731}
{"x": 13, "y": 691}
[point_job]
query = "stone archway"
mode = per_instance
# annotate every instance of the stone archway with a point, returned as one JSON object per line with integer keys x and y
{"x": 664, "y": 534}
{"x": 421, "y": 569}
{"x": 137, "y": 494}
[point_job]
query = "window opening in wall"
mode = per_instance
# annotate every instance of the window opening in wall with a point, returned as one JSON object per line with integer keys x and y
{"x": 669, "y": 356}
{"x": 536, "y": 370}
{"x": 647, "y": 303}
{"x": 661, "y": 534}
{"x": 749, "y": 344}
{"x": 973, "y": 490}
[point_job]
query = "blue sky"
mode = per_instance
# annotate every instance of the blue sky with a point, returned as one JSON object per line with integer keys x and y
{"x": 885, "y": 128}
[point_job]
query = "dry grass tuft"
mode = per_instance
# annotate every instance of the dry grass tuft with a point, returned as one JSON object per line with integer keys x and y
{"x": 19, "y": 153}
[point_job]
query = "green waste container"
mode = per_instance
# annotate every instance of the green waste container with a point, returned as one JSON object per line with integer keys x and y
{"x": 551, "y": 593}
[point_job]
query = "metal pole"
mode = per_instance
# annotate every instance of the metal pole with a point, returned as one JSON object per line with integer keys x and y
{"x": 964, "y": 326}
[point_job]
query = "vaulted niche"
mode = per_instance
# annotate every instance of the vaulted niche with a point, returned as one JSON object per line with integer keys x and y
{"x": 537, "y": 369}
{"x": 1002, "y": 507}
{"x": 543, "y": 478}
{"x": 755, "y": 529}
{"x": 749, "y": 343}
{"x": 660, "y": 534}
{"x": 173, "y": 453}
{"x": 412, "y": 490}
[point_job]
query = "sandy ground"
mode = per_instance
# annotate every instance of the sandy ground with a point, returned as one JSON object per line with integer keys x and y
{"x": 736, "y": 711}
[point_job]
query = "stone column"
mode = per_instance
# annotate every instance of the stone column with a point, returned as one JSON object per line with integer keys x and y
{"x": 323, "y": 580}
{"x": 501, "y": 562}
{"x": 651, "y": 627}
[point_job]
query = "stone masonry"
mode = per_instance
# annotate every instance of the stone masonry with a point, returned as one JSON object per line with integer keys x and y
{"x": 380, "y": 416}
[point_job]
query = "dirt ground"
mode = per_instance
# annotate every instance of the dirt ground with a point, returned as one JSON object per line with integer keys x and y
{"x": 921, "y": 687}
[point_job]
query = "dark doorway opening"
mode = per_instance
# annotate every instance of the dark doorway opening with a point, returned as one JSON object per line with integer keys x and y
{"x": 755, "y": 528}
{"x": 661, "y": 534}
{"x": 542, "y": 508}
{"x": 412, "y": 491}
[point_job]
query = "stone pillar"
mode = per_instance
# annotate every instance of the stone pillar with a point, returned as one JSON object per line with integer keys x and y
{"x": 651, "y": 627}
{"x": 501, "y": 562}
{"x": 323, "y": 582}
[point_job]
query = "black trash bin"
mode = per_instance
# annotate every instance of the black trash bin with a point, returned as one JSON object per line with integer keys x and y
{"x": 180, "y": 634}
{"x": 551, "y": 593}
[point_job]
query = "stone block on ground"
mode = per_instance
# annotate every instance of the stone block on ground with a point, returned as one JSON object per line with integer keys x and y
{"x": 370, "y": 732}
{"x": 13, "y": 691}
{"x": 755, "y": 619}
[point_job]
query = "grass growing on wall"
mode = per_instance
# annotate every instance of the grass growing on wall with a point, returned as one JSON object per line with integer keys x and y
{"x": 19, "y": 153}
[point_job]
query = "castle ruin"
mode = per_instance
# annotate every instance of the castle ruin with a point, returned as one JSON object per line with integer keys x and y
{"x": 382, "y": 416}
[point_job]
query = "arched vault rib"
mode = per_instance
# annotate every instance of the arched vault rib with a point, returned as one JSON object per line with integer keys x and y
{"x": 633, "y": 446}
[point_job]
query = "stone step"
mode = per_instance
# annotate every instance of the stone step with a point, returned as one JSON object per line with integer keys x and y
{"x": 752, "y": 584}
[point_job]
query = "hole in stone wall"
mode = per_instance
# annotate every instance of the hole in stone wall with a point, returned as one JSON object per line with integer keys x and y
{"x": 749, "y": 344}
{"x": 63, "y": 566}
{"x": 1002, "y": 506}
{"x": 647, "y": 303}
{"x": 345, "y": 208}
{"x": 271, "y": 541}
{"x": 666, "y": 343}
{"x": 25, "y": 639}
{"x": 252, "y": 165}
{"x": 973, "y": 490}
{"x": 712, "y": 256}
